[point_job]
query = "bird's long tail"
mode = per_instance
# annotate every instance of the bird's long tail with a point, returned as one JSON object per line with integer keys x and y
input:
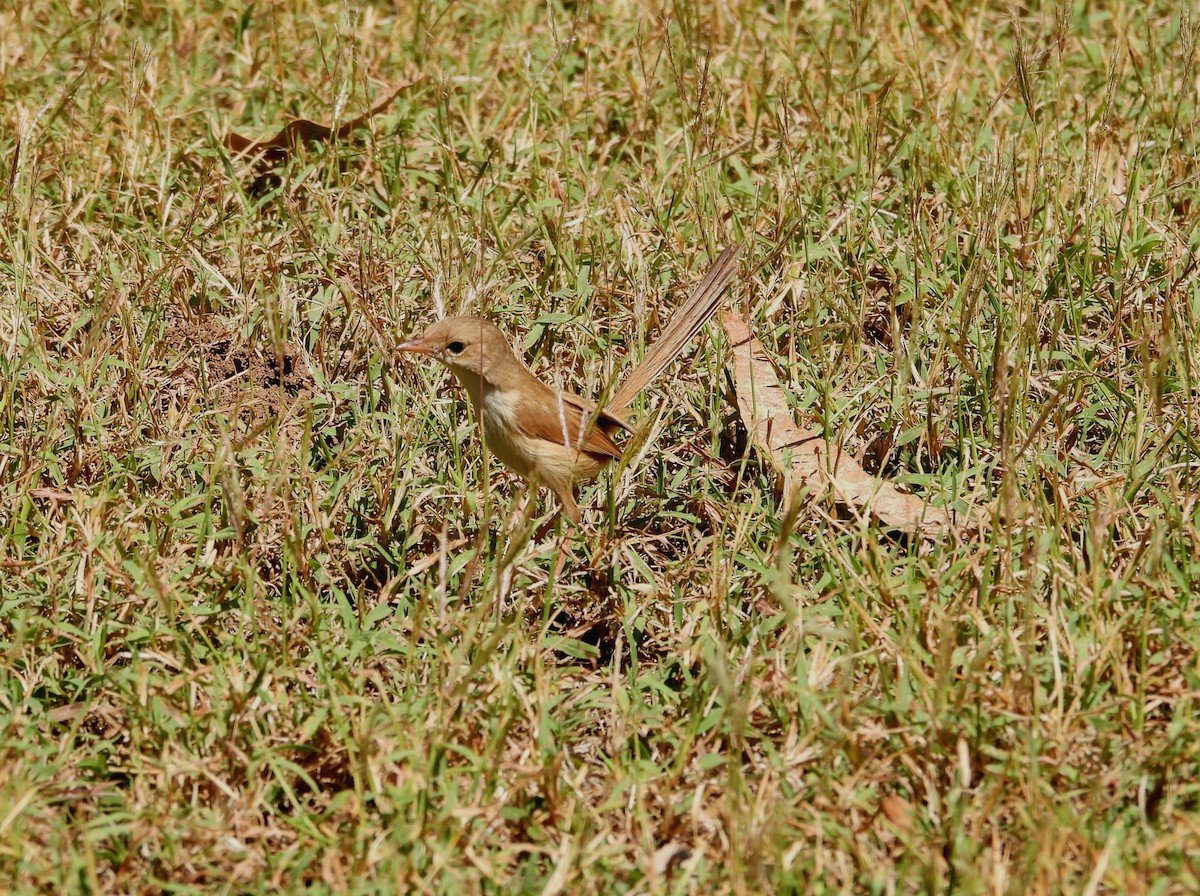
{"x": 684, "y": 324}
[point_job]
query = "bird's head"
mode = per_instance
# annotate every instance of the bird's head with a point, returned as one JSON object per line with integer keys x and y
{"x": 468, "y": 346}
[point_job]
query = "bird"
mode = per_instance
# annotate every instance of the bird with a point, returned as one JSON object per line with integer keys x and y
{"x": 547, "y": 436}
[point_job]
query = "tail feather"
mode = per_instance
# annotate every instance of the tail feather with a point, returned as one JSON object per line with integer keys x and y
{"x": 684, "y": 324}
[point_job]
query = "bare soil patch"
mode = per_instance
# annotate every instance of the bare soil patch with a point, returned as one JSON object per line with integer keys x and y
{"x": 253, "y": 382}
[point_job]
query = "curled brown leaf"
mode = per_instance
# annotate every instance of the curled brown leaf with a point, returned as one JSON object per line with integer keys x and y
{"x": 300, "y": 130}
{"x": 802, "y": 457}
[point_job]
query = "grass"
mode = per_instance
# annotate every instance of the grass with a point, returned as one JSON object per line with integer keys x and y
{"x": 266, "y": 631}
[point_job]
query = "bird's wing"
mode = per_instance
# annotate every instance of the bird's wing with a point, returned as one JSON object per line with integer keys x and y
{"x": 559, "y": 417}
{"x": 605, "y": 419}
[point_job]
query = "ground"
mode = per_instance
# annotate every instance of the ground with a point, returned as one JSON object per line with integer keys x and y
{"x": 269, "y": 622}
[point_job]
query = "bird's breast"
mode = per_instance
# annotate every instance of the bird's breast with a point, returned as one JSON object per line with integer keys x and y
{"x": 499, "y": 416}
{"x": 544, "y": 460}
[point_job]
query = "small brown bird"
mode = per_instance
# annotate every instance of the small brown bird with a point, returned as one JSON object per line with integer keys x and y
{"x": 547, "y": 436}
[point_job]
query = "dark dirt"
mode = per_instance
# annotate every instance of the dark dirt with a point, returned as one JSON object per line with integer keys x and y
{"x": 882, "y": 293}
{"x": 253, "y": 381}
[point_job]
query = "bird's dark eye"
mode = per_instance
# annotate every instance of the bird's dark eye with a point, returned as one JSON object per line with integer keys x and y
{"x": 455, "y": 348}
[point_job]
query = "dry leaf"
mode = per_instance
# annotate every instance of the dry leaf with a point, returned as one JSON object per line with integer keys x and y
{"x": 898, "y": 811}
{"x": 298, "y": 130}
{"x": 667, "y": 856}
{"x": 803, "y": 457}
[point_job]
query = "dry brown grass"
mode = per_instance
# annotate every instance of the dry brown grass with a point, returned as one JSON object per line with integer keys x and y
{"x": 267, "y": 631}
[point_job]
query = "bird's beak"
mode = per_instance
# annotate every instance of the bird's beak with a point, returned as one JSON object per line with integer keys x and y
{"x": 416, "y": 346}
